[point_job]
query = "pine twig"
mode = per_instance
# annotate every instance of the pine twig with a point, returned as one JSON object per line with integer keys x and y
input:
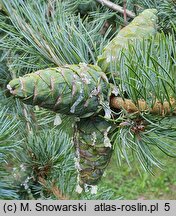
{"x": 26, "y": 118}
{"x": 124, "y": 14}
{"x": 54, "y": 189}
{"x": 116, "y": 7}
{"x": 158, "y": 108}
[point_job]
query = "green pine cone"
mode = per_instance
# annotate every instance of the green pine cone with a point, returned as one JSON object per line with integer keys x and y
{"x": 93, "y": 149}
{"x": 72, "y": 89}
{"x": 141, "y": 27}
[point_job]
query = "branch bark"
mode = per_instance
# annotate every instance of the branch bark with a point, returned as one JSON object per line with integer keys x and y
{"x": 26, "y": 117}
{"x": 158, "y": 108}
{"x": 124, "y": 14}
{"x": 116, "y": 7}
{"x": 54, "y": 189}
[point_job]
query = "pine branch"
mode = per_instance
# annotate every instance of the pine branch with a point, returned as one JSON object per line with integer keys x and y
{"x": 8, "y": 148}
{"x": 142, "y": 106}
{"x": 144, "y": 75}
{"x": 125, "y": 13}
{"x": 39, "y": 40}
{"x": 116, "y": 7}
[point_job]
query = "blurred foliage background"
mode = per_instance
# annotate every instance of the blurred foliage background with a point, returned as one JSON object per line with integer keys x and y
{"x": 134, "y": 183}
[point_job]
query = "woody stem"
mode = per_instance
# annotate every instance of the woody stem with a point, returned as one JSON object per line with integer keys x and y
{"x": 141, "y": 106}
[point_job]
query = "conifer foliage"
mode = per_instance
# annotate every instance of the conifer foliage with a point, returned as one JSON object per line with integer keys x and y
{"x": 76, "y": 87}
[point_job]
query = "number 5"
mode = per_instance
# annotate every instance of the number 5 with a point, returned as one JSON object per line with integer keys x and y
{"x": 167, "y": 207}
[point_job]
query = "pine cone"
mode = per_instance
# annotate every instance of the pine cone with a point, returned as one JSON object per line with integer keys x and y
{"x": 93, "y": 149}
{"x": 72, "y": 89}
{"x": 142, "y": 26}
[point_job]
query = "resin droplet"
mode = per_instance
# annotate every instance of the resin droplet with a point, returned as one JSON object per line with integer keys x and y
{"x": 79, "y": 189}
{"x": 57, "y": 120}
{"x": 94, "y": 189}
{"x": 107, "y": 142}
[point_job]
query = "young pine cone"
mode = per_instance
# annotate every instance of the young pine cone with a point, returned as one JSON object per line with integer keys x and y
{"x": 141, "y": 27}
{"x": 79, "y": 90}
{"x": 93, "y": 149}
